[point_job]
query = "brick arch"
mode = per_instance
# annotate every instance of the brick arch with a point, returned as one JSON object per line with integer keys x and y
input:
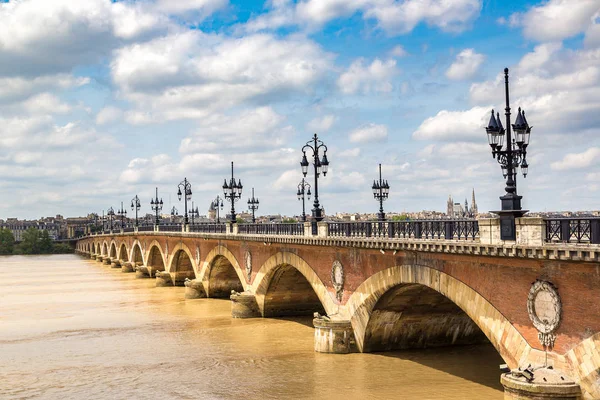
{"x": 136, "y": 245}
{"x": 269, "y": 268}
{"x": 174, "y": 258}
{"x": 113, "y": 249}
{"x": 208, "y": 263}
{"x": 105, "y": 249}
{"x": 123, "y": 251}
{"x": 149, "y": 257}
{"x": 496, "y": 327}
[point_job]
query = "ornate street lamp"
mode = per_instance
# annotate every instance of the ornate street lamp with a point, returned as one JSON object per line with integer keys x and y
{"x": 187, "y": 189}
{"x": 509, "y": 158}
{"x": 233, "y": 192}
{"x": 136, "y": 205}
{"x": 194, "y": 213}
{"x": 157, "y": 206}
{"x": 122, "y": 213}
{"x": 303, "y": 189}
{"x": 253, "y": 205}
{"x": 320, "y": 166}
{"x": 381, "y": 191}
{"x": 218, "y": 204}
{"x": 111, "y": 214}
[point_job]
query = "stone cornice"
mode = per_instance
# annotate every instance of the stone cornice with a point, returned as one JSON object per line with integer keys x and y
{"x": 549, "y": 251}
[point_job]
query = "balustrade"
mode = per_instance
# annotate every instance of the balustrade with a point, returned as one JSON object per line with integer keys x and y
{"x": 272, "y": 229}
{"x": 208, "y": 228}
{"x": 573, "y": 230}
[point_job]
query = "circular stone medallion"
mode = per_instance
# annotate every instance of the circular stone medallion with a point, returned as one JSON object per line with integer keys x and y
{"x": 544, "y": 308}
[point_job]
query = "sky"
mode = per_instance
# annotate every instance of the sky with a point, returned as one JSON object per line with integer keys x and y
{"x": 104, "y": 100}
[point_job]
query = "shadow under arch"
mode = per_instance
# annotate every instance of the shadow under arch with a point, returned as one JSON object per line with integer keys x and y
{"x": 155, "y": 259}
{"x": 123, "y": 252}
{"x": 390, "y": 283}
{"x": 181, "y": 265}
{"x": 221, "y": 278}
{"x": 113, "y": 250}
{"x": 105, "y": 249}
{"x": 286, "y": 285}
{"x": 137, "y": 257}
{"x": 220, "y": 273}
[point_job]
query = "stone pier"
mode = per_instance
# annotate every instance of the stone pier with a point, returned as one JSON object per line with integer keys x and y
{"x": 244, "y": 305}
{"x": 333, "y": 336}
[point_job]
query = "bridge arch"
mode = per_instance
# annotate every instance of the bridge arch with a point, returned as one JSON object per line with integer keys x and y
{"x": 137, "y": 256}
{"x": 182, "y": 265}
{"x": 287, "y": 285}
{"x": 123, "y": 252}
{"x": 155, "y": 258}
{"x": 113, "y": 250}
{"x": 105, "y": 249}
{"x": 410, "y": 281}
{"x": 221, "y": 273}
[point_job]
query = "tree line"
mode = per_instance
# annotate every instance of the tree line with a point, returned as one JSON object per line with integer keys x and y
{"x": 33, "y": 241}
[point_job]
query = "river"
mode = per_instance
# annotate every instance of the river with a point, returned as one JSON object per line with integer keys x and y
{"x": 71, "y": 328}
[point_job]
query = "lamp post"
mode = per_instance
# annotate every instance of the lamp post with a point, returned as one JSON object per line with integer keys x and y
{"x": 218, "y": 204}
{"x": 232, "y": 192}
{"x": 122, "y": 213}
{"x": 253, "y": 206}
{"x": 320, "y": 165}
{"x": 157, "y": 206}
{"x": 136, "y": 205}
{"x": 509, "y": 158}
{"x": 303, "y": 189}
{"x": 110, "y": 214}
{"x": 194, "y": 213}
{"x": 187, "y": 189}
{"x": 381, "y": 191}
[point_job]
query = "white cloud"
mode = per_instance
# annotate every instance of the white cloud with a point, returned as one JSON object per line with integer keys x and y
{"x": 375, "y": 77}
{"x": 556, "y": 19}
{"x": 204, "y": 7}
{"x": 398, "y": 51}
{"x": 392, "y": 16}
{"x": 191, "y": 75}
{"x": 108, "y": 115}
{"x": 260, "y": 128}
{"x": 578, "y": 160}
{"x": 403, "y": 16}
{"x": 321, "y": 124}
{"x": 372, "y": 133}
{"x": 454, "y": 125}
{"x": 14, "y": 89}
{"x": 466, "y": 65}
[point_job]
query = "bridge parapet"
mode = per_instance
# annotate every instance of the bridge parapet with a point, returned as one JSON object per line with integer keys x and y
{"x": 573, "y": 239}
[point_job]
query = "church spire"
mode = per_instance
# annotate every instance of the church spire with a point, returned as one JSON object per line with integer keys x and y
{"x": 474, "y": 210}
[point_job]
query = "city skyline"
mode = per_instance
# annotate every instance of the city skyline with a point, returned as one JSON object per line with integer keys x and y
{"x": 102, "y": 101}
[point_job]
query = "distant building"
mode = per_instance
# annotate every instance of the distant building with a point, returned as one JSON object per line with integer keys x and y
{"x": 456, "y": 210}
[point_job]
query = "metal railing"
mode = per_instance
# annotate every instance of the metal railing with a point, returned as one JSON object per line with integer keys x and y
{"x": 272, "y": 229}
{"x": 145, "y": 228}
{"x": 573, "y": 230}
{"x": 169, "y": 228}
{"x": 106, "y": 231}
{"x": 416, "y": 229}
{"x": 208, "y": 228}
{"x": 129, "y": 229}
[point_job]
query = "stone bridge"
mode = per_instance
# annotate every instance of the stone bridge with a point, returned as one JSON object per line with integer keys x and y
{"x": 538, "y": 303}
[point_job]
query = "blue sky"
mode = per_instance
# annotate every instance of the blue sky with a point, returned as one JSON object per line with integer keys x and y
{"x": 101, "y": 100}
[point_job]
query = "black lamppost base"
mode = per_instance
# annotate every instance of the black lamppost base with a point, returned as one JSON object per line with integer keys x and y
{"x": 511, "y": 209}
{"x": 381, "y": 216}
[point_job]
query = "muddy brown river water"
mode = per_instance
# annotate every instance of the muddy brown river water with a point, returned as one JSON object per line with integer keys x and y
{"x": 71, "y": 328}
